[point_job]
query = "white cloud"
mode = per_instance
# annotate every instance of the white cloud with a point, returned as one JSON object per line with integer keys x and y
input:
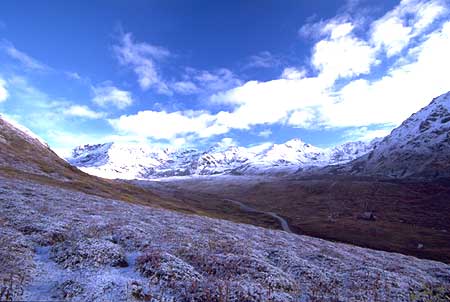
{"x": 3, "y": 92}
{"x": 399, "y": 93}
{"x": 427, "y": 12}
{"x": 406, "y": 21}
{"x": 106, "y": 94}
{"x": 392, "y": 35}
{"x": 303, "y": 118}
{"x": 82, "y": 111}
{"x": 269, "y": 102}
{"x": 142, "y": 58}
{"x": 342, "y": 55}
{"x": 22, "y": 57}
{"x": 291, "y": 73}
{"x": 165, "y": 125}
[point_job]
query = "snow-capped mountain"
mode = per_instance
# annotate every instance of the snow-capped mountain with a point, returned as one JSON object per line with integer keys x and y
{"x": 419, "y": 147}
{"x": 139, "y": 161}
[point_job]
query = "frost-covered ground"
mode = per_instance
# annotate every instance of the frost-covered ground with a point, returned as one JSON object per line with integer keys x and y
{"x": 57, "y": 244}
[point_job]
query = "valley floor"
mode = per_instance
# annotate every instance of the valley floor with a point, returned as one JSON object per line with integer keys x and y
{"x": 58, "y": 244}
{"x": 407, "y": 217}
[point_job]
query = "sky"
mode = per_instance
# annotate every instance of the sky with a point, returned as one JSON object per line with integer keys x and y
{"x": 196, "y": 73}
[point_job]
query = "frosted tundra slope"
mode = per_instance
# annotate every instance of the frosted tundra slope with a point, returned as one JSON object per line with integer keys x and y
{"x": 66, "y": 245}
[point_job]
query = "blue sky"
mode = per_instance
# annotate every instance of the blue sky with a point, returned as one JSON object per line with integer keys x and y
{"x": 193, "y": 73}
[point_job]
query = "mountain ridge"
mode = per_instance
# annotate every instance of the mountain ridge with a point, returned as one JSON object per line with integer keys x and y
{"x": 140, "y": 161}
{"x": 418, "y": 148}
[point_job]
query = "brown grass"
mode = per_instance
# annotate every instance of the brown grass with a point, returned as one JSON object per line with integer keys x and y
{"x": 411, "y": 217}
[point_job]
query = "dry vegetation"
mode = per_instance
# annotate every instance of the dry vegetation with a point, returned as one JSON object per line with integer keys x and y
{"x": 66, "y": 245}
{"x": 408, "y": 217}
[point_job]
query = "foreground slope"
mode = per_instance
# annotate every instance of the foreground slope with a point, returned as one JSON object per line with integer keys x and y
{"x": 87, "y": 248}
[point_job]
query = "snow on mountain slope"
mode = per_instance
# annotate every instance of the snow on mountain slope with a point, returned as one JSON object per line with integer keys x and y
{"x": 419, "y": 147}
{"x": 294, "y": 151}
{"x": 138, "y": 161}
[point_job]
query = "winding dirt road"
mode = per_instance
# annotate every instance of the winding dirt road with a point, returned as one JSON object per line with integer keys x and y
{"x": 246, "y": 208}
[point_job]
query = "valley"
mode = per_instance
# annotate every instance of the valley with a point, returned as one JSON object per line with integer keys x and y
{"x": 410, "y": 217}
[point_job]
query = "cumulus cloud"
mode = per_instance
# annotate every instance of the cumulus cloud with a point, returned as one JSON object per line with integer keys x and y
{"x": 83, "y": 112}
{"x": 142, "y": 58}
{"x": 26, "y": 60}
{"x": 409, "y": 19}
{"x": 165, "y": 125}
{"x": 3, "y": 92}
{"x": 291, "y": 73}
{"x": 106, "y": 94}
{"x": 400, "y": 92}
{"x": 342, "y": 54}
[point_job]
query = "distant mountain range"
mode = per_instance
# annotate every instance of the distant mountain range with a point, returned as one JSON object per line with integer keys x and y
{"x": 419, "y": 147}
{"x": 138, "y": 161}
